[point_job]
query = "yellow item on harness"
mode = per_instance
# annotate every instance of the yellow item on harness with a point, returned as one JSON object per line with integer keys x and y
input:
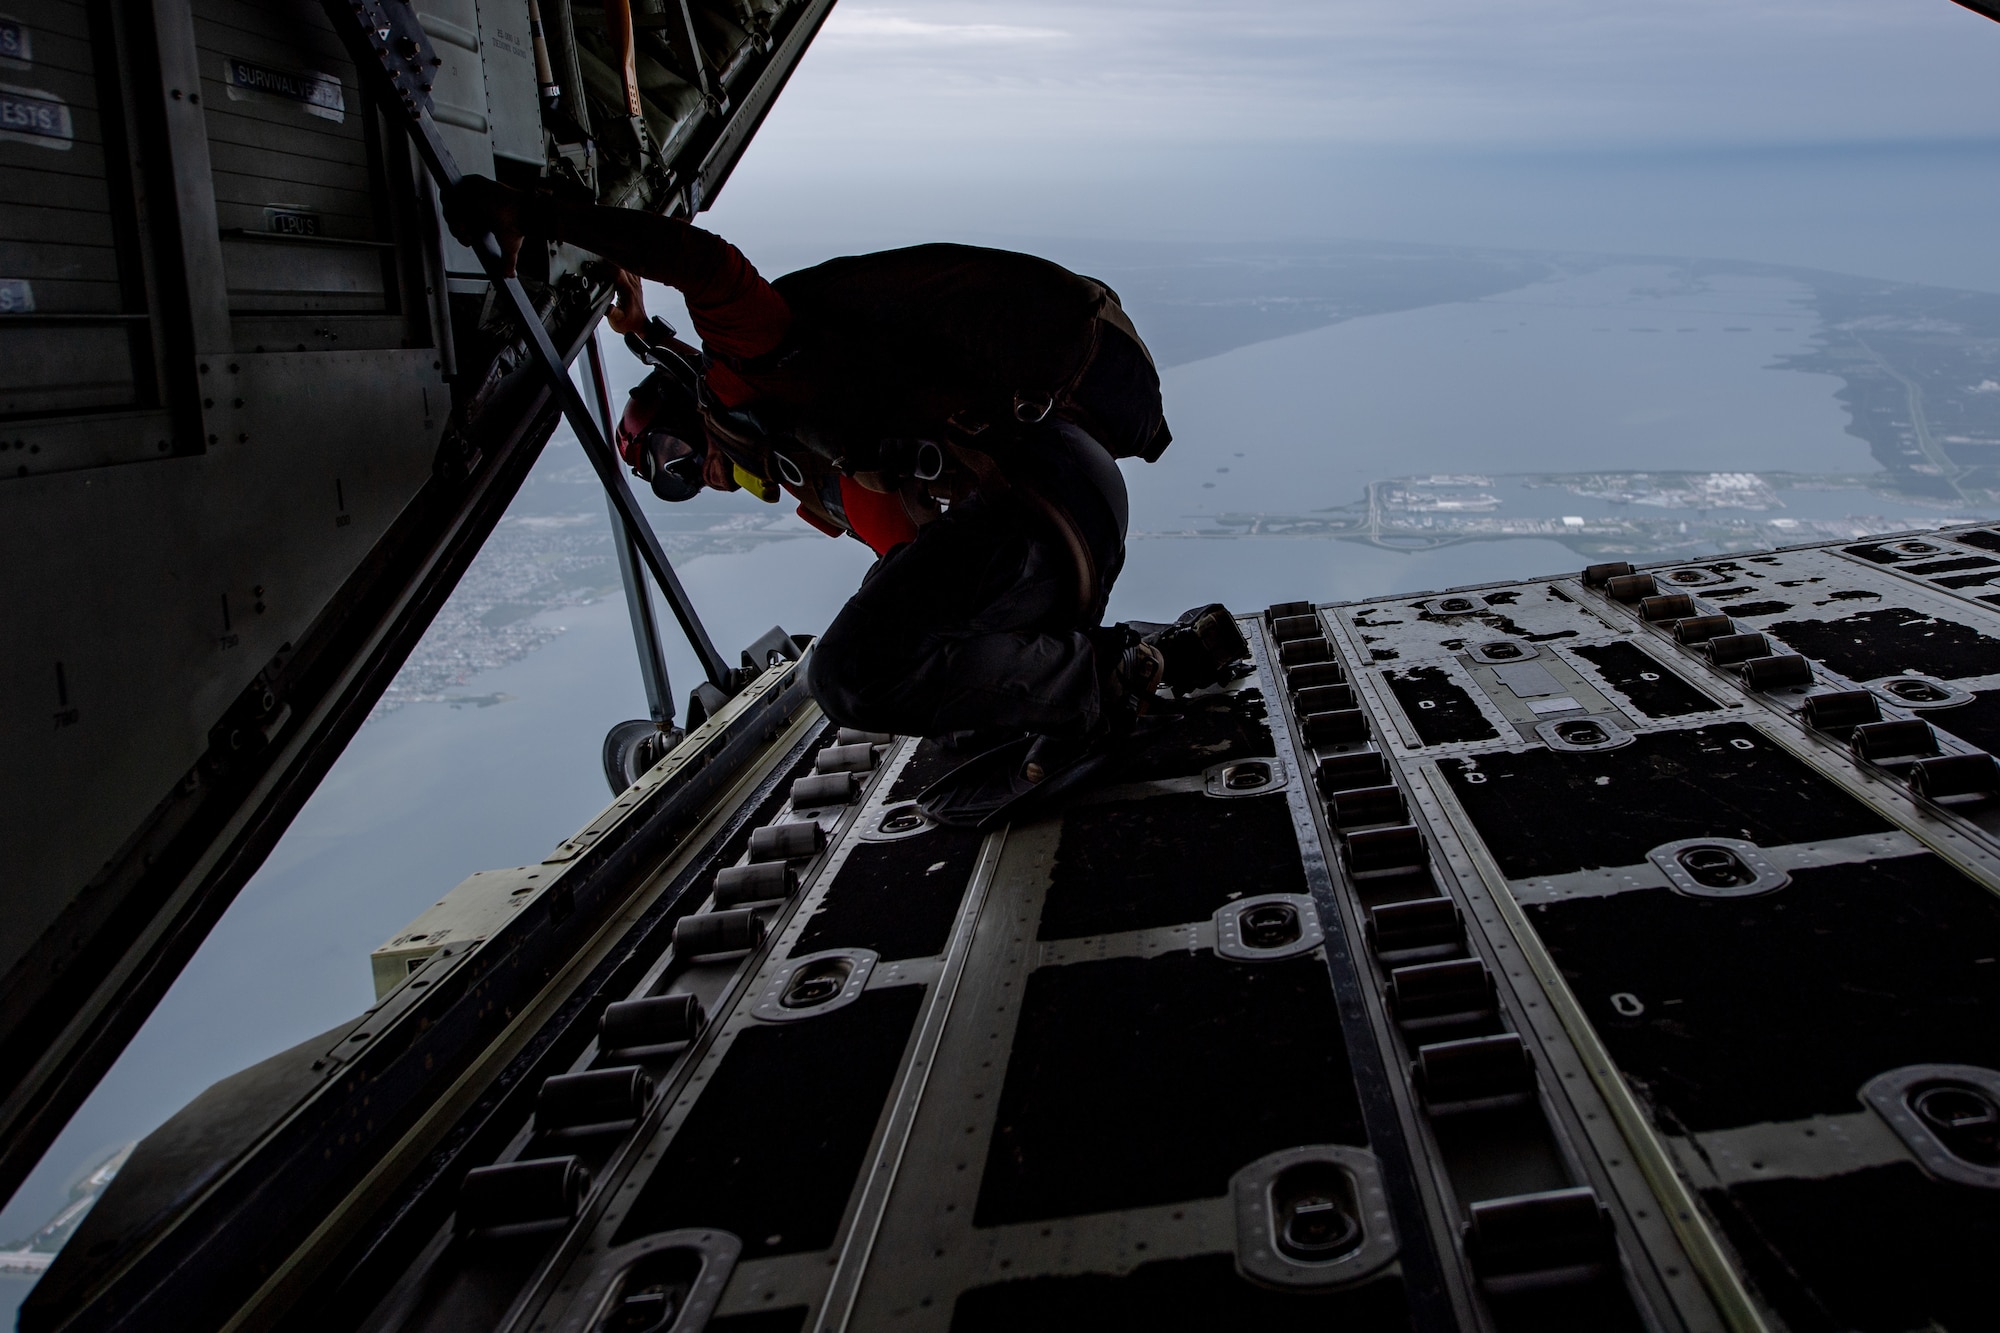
{"x": 767, "y": 491}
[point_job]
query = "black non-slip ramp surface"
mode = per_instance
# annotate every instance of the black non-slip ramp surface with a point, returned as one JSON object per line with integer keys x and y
{"x": 771, "y": 1150}
{"x": 1985, "y": 541}
{"x": 1976, "y": 722}
{"x": 1745, "y": 1022}
{"x": 930, "y": 761}
{"x": 1139, "y": 1081}
{"x": 1164, "y": 860}
{"x": 791, "y": 1319}
{"x": 1438, "y": 706}
{"x": 1105, "y": 1074}
{"x": 1549, "y": 812}
{"x": 1648, "y": 685}
{"x": 1780, "y": 1006}
{"x": 1882, "y": 1250}
{"x": 1891, "y": 640}
{"x": 898, "y": 898}
{"x": 1199, "y": 1295}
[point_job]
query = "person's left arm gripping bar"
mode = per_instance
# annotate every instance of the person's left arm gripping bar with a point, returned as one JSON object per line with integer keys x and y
{"x": 736, "y": 313}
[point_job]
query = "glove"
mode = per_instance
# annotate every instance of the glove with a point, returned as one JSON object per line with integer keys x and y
{"x": 717, "y": 472}
{"x": 476, "y": 206}
{"x": 628, "y": 311}
{"x": 1200, "y": 649}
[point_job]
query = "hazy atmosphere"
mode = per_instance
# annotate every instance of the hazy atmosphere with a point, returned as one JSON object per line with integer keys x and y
{"x": 1443, "y": 292}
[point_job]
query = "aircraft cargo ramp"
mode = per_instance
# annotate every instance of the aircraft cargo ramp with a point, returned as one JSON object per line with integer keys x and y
{"x": 1612, "y": 951}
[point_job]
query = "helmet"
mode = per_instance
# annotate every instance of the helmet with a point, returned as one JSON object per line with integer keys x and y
{"x": 662, "y": 437}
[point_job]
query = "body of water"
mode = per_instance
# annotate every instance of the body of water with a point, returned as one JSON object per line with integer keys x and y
{"x": 1628, "y": 367}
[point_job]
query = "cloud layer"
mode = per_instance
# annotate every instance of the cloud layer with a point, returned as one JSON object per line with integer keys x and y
{"x": 1549, "y": 72}
{"x": 1861, "y": 135}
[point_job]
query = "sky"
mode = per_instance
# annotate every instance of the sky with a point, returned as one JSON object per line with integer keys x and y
{"x": 1861, "y": 135}
{"x": 1574, "y": 73}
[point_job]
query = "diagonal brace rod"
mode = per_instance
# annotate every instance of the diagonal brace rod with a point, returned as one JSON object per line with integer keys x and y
{"x": 437, "y": 159}
{"x": 595, "y": 447}
{"x": 638, "y": 602}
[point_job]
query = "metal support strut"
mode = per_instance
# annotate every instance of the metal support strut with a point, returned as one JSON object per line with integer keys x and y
{"x": 385, "y": 35}
{"x": 638, "y": 601}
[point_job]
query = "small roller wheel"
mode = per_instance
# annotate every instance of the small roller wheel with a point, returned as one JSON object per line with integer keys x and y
{"x": 630, "y": 748}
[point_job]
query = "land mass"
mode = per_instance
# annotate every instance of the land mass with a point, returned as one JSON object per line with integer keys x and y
{"x": 1643, "y": 514}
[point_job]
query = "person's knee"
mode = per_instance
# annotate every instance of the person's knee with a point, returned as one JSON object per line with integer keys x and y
{"x": 830, "y": 674}
{"x": 849, "y": 677}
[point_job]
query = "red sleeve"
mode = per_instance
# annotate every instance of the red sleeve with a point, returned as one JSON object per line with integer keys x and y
{"x": 735, "y": 311}
{"x": 815, "y": 521}
{"x": 878, "y": 519}
{"x": 728, "y": 386}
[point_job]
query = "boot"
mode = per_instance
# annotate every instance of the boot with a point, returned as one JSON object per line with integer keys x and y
{"x": 1015, "y": 779}
{"x": 1200, "y": 649}
{"x": 1028, "y": 774}
{"x": 1131, "y": 683}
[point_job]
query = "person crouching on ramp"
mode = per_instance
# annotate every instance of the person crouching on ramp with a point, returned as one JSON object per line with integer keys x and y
{"x": 961, "y": 411}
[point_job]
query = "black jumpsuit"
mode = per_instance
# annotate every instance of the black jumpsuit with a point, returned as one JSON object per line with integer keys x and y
{"x": 988, "y": 619}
